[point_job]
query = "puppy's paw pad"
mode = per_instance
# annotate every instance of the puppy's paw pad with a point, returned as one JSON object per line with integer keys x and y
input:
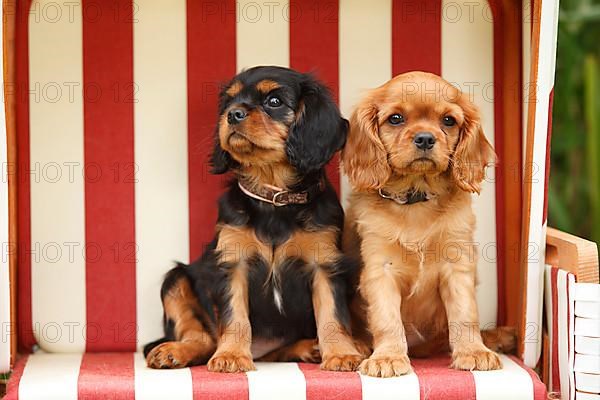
{"x": 166, "y": 356}
{"x": 479, "y": 360}
{"x": 230, "y": 362}
{"x": 385, "y": 367}
{"x": 345, "y": 362}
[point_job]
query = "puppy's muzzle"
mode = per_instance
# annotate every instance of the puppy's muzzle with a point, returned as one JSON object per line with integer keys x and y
{"x": 424, "y": 141}
{"x": 236, "y": 115}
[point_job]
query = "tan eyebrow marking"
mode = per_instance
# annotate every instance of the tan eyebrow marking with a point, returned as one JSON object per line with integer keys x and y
{"x": 266, "y": 85}
{"x": 235, "y": 88}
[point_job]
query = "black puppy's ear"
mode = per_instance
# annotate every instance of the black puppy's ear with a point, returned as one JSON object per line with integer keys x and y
{"x": 318, "y": 131}
{"x": 220, "y": 160}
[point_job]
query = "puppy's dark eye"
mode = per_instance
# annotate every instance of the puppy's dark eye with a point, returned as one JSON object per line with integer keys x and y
{"x": 448, "y": 121}
{"x": 274, "y": 102}
{"x": 396, "y": 119}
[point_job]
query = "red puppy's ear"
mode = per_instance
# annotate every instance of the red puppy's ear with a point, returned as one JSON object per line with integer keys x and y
{"x": 473, "y": 152}
{"x": 364, "y": 157}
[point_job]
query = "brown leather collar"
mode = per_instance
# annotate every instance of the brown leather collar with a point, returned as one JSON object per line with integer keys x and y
{"x": 281, "y": 197}
{"x": 410, "y": 197}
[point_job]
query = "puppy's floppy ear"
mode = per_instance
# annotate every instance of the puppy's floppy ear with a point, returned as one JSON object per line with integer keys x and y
{"x": 318, "y": 130}
{"x": 220, "y": 160}
{"x": 364, "y": 158}
{"x": 473, "y": 152}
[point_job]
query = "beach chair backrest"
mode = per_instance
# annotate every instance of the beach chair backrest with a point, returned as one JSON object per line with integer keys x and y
{"x": 115, "y": 111}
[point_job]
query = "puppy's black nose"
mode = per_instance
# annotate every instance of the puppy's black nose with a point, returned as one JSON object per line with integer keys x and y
{"x": 424, "y": 140}
{"x": 236, "y": 115}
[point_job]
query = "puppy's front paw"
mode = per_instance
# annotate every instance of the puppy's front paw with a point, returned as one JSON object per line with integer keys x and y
{"x": 477, "y": 360}
{"x": 168, "y": 355}
{"x": 344, "y": 362}
{"x": 230, "y": 362}
{"x": 386, "y": 367}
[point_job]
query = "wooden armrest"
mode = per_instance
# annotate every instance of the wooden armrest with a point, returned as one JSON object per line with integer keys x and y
{"x": 573, "y": 254}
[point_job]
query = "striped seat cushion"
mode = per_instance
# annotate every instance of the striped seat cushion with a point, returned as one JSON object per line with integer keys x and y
{"x": 125, "y": 376}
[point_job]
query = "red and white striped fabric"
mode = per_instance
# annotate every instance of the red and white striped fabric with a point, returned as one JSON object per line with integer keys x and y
{"x": 117, "y": 102}
{"x": 560, "y": 325}
{"x": 124, "y": 376}
{"x": 539, "y": 67}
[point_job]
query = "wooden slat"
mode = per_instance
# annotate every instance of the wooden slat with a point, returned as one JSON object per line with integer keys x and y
{"x": 9, "y": 16}
{"x": 511, "y": 154}
{"x": 508, "y": 146}
{"x": 528, "y": 171}
{"x": 573, "y": 254}
{"x": 545, "y": 360}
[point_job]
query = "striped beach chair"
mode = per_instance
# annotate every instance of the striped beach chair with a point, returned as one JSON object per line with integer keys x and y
{"x": 110, "y": 111}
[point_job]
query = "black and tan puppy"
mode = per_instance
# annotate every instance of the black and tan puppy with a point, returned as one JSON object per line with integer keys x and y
{"x": 274, "y": 278}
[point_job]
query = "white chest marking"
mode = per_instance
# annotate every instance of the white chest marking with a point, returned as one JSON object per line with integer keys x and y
{"x": 278, "y": 300}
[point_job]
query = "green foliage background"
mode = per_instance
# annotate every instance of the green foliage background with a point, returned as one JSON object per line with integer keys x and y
{"x": 574, "y": 191}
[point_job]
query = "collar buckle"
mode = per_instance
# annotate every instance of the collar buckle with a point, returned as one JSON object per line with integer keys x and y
{"x": 275, "y": 198}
